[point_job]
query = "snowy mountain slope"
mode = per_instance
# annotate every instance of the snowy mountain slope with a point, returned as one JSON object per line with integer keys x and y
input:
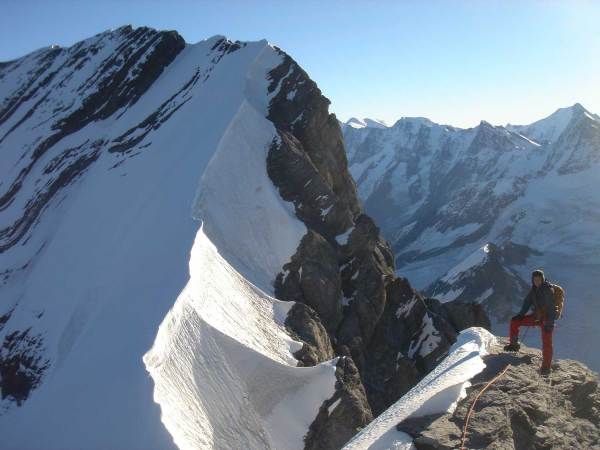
{"x": 224, "y": 372}
{"x": 440, "y": 193}
{"x": 107, "y": 257}
{"x": 437, "y": 393}
{"x": 124, "y": 153}
{"x": 484, "y": 277}
{"x": 225, "y": 326}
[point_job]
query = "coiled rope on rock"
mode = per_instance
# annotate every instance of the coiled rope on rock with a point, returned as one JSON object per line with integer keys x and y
{"x": 471, "y": 409}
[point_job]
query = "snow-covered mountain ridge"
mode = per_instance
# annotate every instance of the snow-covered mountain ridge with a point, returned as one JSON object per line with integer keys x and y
{"x": 441, "y": 193}
{"x": 184, "y": 259}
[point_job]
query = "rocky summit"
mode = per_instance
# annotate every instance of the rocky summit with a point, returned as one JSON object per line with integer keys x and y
{"x": 521, "y": 410}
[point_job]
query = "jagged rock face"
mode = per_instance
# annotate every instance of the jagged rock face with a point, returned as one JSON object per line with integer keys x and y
{"x": 310, "y": 154}
{"x": 344, "y": 414}
{"x": 408, "y": 341}
{"x": 305, "y": 325}
{"x": 366, "y": 270}
{"x": 313, "y": 278}
{"x": 343, "y": 270}
{"x": 521, "y": 410}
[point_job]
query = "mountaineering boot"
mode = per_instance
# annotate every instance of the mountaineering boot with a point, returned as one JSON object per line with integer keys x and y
{"x": 545, "y": 371}
{"x": 512, "y": 347}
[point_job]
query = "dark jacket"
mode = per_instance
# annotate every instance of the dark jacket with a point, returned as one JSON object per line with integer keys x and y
{"x": 542, "y": 301}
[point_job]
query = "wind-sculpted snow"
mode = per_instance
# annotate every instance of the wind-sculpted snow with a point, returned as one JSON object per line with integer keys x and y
{"x": 438, "y": 392}
{"x": 241, "y": 208}
{"x": 223, "y": 366}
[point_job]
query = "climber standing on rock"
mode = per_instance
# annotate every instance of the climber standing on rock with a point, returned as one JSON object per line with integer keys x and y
{"x": 546, "y": 299}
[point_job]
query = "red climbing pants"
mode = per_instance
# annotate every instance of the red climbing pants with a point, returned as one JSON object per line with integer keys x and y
{"x": 530, "y": 321}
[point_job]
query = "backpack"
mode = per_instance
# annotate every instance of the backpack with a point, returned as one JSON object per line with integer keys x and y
{"x": 559, "y": 299}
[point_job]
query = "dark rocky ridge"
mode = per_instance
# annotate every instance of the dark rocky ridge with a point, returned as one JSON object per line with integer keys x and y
{"x": 350, "y": 303}
{"x": 21, "y": 365}
{"x": 521, "y": 410}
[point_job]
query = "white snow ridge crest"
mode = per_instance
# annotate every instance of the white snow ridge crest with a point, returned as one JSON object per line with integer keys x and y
{"x": 222, "y": 364}
{"x": 438, "y": 392}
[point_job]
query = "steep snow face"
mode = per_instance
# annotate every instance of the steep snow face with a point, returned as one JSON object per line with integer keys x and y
{"x": 222, "y": 364}
{"x": 229, "y": 332}
{"x": 112, "y": 156}
{"x": 245, "y": 195}
{"x": 438, "y": 392}
{"x": 441, "y": 193}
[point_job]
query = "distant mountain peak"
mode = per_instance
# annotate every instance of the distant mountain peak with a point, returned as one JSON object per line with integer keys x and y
{"x": 549, "y": 129}
{"x": 414, "y": 121}
{"x": 366, "y": 123}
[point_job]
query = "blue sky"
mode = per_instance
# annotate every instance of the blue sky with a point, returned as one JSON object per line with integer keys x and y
{"x": 455, "y": 62}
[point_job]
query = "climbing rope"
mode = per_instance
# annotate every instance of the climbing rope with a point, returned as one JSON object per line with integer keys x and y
{"x": 492, "y": 381}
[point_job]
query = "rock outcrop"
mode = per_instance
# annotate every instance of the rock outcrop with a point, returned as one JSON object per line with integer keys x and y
{"x": 521, "y": 410}
{"x": 343, "y": 272}
{"x": 342, "y": 415}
